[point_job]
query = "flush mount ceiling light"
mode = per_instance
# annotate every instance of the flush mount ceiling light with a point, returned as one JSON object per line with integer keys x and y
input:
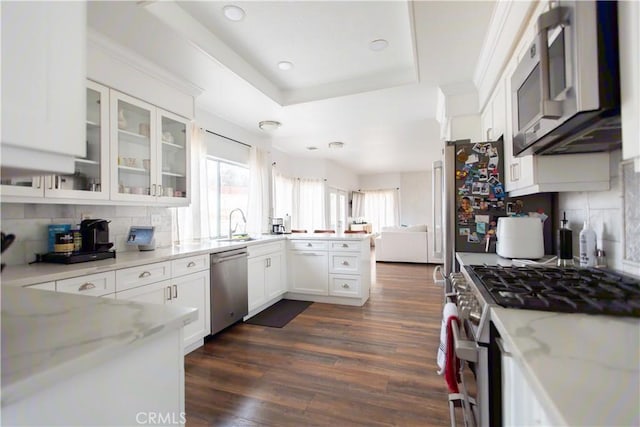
{"x": 285, "y": 65}
{"x": 269, "y": 125}
{"x": 378, "y": 45}
{"x": 336, "y": 145}
{"x": 233, "y": 13}
{"x": 312, "y": 148}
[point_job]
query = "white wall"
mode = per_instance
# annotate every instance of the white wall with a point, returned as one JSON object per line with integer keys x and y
{"x": 605, "y": 217}
{"x": 304, "y": 167}
{"x": 415, "y": 198}
{"x": 29, "y": 223}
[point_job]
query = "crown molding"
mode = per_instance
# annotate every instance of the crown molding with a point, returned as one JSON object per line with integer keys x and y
{"x": 127, "y": 56}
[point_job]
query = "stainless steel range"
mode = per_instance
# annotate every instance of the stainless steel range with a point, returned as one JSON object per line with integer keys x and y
{"x": 563, "y": 290}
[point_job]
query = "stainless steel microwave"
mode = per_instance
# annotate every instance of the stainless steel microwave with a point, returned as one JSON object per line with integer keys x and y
{"x": 566, "y": 88}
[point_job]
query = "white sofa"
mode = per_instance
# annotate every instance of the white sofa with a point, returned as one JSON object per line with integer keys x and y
{"x": 402, "y": 244}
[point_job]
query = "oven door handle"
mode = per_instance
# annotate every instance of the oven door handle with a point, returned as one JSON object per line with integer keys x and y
{"x": 557, "y": 16}
{"x": 465, "y": 349}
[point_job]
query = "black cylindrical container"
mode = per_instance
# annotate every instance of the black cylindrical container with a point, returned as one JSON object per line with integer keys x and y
{"x": 565, "y": 244}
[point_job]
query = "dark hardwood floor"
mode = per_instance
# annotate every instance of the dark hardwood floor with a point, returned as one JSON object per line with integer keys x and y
{"x": 331, "y": 365}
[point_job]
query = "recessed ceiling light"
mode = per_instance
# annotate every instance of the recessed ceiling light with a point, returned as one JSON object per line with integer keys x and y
{"x": 336, "y": 145}
{"x": 378, "y": 45}
{"x": 233, "y": 13}
{"x": 269, "y": 125}
{"x": 312, "y": 148}
{"x": 285, "y": 65}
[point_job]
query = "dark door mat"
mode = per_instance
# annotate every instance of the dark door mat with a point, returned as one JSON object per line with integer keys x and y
{"x": 280, "y": 313}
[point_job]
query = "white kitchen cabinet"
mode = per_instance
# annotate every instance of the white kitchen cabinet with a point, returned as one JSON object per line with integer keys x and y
{"x": 629, "y": 39}
{"x": 133, "y": 277}
{"x": 266, "y": 275}
{"x": 46, "y": 286}
{"x": 183, "y": 281}
{"x": 520, "y": 404}
{"x": 90, "y": 180}
{"x": 193, "y": 291}
{"x": 309, "y": 272}
{"x": 99, "y": 284}
{"x": 149, "y": 152}
{"x": 154, "y": 293}
{"x": 43, "y": 86}
{"x": 332, "y": 271}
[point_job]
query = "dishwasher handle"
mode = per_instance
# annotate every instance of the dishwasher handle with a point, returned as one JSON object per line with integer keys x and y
{"x": 219, "y": 257}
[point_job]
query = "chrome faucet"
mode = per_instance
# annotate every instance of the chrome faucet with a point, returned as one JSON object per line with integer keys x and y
{"x": 244, "y": 219}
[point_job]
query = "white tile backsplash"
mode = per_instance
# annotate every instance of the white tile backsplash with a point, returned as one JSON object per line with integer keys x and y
{"x": 605, "y": 214}
{"x": 12, "y": 211}
{"x": 29, "y": 222}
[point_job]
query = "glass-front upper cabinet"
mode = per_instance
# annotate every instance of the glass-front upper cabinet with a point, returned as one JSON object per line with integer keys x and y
{"x": 91, "y": 177}
{"x": 133, "y": 150}
{"x": 174, "y": 136}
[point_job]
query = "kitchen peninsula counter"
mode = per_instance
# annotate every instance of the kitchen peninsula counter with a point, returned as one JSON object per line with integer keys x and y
{"x": 25, "y": 275}
{"x": 50, "y": 339}
{"x": 584, "y": 369}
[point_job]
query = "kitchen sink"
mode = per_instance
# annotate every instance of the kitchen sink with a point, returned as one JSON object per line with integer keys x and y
{"x": 239, "y": 239}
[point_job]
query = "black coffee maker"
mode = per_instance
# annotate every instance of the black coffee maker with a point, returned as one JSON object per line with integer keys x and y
{"x": 95, "y": 235}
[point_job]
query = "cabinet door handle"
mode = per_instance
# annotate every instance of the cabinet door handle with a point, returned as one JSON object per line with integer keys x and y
{"x": 344, "y": 245}
{"x": 191, "y": 264}
{"x": 175, "y": 291}
{"x": 345, "y": 286}
{"x": 86, "y": 286}
{"x": 309, "y": 245}
{"x": 168, "y": 293}
{"x": 144, "y": 274}
{"x": 345, "y": 262}
{"x": 310, "y": 254}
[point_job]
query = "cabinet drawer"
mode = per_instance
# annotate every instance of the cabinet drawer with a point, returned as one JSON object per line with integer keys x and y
{"x": 264, "y": 249}
{"x": 311, "y": 245}
{"x": 128, "y": 278}
{"x": 344, "y": 263}
{"x": 47, "y": 286}
{"x": 346, "y": 286}
{"x": 182, "y": 266}
{"x": 93, "y": 284}
{"x": 345, "y": 246}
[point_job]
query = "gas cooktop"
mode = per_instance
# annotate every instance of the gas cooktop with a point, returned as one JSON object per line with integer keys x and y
{"x": 568, "y": 290}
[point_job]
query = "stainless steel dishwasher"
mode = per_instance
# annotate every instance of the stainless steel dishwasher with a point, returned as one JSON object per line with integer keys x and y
{"x": 228, "y": 288}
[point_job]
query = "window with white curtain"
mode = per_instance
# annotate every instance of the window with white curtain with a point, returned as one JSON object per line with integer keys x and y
{"x": 220, "y": 182}
{"x": 228, "y": 188}
{"x": 301, "y": 198}
{"x": 381, "y": 208}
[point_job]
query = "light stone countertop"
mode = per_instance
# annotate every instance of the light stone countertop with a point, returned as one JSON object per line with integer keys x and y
{"x": 584, "y": 369}
{"x": 25, "y": 275}
{"x": 49, "y": 336}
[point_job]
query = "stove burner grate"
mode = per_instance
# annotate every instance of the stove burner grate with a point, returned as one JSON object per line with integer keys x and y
{"x": 568, "y": 290}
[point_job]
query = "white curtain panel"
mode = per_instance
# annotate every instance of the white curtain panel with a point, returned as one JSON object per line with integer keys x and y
{"x": 381, "y": 208}
{"x": 283, "y": 197}
{"x": 258, "y": 211}
{"x": 357, "y": 209}
{"x": 309, "y": 204}
{"x": 301, "y": 198}
{"x": 192, "y": 222}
